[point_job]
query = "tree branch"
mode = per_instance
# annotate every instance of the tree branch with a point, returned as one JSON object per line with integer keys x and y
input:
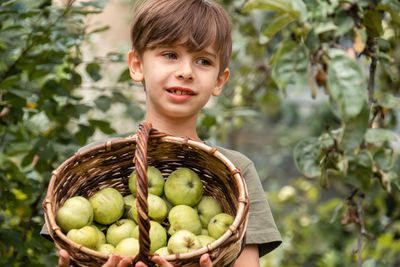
{"x": 370, "y": 51}
{"x": 371, "y": 81}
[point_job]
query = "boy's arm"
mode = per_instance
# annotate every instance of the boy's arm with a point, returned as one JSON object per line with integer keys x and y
{"x": 248, "y": 257}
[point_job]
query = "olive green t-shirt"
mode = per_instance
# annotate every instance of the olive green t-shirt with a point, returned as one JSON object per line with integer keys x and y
{"x": 261, "y": 228}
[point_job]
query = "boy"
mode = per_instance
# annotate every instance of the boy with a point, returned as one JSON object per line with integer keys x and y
{"x": 181, "y": 50}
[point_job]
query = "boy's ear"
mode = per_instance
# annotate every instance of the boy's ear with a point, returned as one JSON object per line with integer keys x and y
{"x": 221, "y": 80}
{"x": 135, "y": 66}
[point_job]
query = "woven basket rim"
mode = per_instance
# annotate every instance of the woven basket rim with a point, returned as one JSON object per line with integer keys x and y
{"x": 240, "y": 216}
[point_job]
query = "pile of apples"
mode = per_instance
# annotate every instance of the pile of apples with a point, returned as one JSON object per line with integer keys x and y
{"x": 182, "y": 219}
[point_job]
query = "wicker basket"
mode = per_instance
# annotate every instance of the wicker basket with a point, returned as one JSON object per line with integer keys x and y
{"x": 110, "y": 165}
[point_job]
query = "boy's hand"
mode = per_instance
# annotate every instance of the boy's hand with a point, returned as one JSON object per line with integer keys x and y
{"x": 115, "y": 261}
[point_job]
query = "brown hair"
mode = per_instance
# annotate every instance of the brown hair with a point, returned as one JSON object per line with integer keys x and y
{"x": 194, "y": 24}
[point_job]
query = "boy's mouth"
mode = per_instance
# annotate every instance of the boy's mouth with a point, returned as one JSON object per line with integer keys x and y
{"x": 180, "y": 91}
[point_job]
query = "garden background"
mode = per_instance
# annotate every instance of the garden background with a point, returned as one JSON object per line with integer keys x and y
{"x": 313, "y": 100}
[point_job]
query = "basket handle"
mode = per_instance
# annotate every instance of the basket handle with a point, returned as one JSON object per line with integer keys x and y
{"x": 140, "y": 161}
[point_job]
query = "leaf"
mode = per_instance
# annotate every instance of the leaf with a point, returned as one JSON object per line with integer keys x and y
{"x": 93, "y": 70}
{"x": 379, "y": 135}
{"x": 354, "y": 130}
{"x": 291, "y": 65}
{"x": 15, "y": 99}
{"x": 271, "y": 27}
{"x": 312, "y": 41}
{"x": 344, "y": 23}
{"x": 9, "y": 81}
{"x": 103, "y": 103}
{"x": 374, "y": 263}
{"x": 124, "y": 76}
{"x": 391, "y": 6}
{"x": 295, "y": 8}
{"x": 360, "y": 169}
{"x": 104, "y": 126}
{"x": 360, "y": 40}
{"x": 389, "y": 101}
{"x": 325, "y": 27}
{"x": 385, "y": 158}
{"x": 346, "y": 83}
{"x": 101, "y": 29}
{"x": 373, "y": 22}
{"x": 306, "y": 154}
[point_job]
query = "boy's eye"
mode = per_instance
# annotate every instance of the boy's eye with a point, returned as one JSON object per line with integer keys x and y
{"x": 169, "y": 55}
{"x": 204, "y": 61}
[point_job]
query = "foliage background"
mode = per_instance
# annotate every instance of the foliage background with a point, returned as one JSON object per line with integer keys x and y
{"x": 313, "y": 99}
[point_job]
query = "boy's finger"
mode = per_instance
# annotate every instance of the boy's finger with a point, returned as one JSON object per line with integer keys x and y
{"x": 140, "y": 264}
{"x": 63, "y": 260}
{"x": 112, "y": 261}
{"x": 205, "y": 261}
{"x": 161, "y": 261}
{"x": 125, "y": 262}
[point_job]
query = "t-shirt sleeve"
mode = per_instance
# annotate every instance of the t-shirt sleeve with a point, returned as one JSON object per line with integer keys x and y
{"x": 261, "y": 228}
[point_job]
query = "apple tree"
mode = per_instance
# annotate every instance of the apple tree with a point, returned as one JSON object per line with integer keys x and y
{"x": 43, "y": 117}
{"x": 348, "y": 53}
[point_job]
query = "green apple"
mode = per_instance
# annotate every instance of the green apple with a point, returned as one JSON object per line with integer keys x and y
{"x": 162, "y": 251}
{"x": 157, "y": 208}
{"x": 204, "y": 231}
{"x": 219, "y": 224}
{"x": 108, "y": 205}
{"x": 75, "y": 213}
{"x": 184, "y": 217}
{"x": 183, "y": 241}
{"x": 129, "y": 201}
{"x": 127, "y": 247}
{"x": 158, "y": 236}
{"x": 86, "y": 236}
{"x": 101, "y": 237}
{"x": 205, "y": 240}
{"x": 183, "y": 186}
{"x": 207, "y": 208}
{"x": 154, "y": 178}
{"x": 119, "y": 230}
{"x": 106, "y": 248}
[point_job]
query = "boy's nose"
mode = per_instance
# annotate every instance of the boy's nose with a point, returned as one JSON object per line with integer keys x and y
{"x": 185, "y": 72}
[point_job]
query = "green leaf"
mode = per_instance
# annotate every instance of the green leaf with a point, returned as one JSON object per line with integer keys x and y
{"x": 306, "y": 154}
{"x": 101, "y": 29}
{"x": 391, "y": 6}
{"x": 389, "y": 101}
{"x": 93, "y": 70}
{"x": 360, "y": 169}
{"x": 373, "y": 22}
{"x": 104, "y": 126}
{"x": 9, "y": 81}
{"x": 84, "y": 133}
{"x": 346, "y": 83}
{"x": 379, "y": 135}
{"x": 295, "y": 8}
{"x": 374, "y": 263}
{"x": 291, "y": 65}
{"x": 385, "y": 158}
{"x": 354, "y": 130}
{"x": 325, "y": 27}
{"x": 135, "y": 111}
{"x": 15, "y": 98}
{"x": 271, "y": 27}
{"x": 103, "y": 103}
{"x": 312, "y": 41}
{"x": 124, "y": 76}
{"x": 344, "y": 22}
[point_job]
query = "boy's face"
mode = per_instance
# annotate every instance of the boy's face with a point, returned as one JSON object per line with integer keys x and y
{"x": 178, "y": 82}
